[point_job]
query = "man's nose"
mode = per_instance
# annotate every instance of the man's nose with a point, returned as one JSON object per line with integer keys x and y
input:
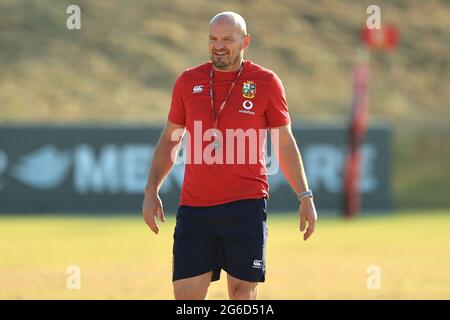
{"x": 218, "y": 45}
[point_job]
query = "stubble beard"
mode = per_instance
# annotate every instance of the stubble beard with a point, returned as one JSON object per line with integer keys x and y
{"x": 223, "y": 64}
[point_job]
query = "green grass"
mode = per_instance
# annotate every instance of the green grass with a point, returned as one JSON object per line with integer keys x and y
{"x": 120, "y": 259}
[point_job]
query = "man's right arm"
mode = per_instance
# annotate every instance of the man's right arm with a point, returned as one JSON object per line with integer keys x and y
{"x": 162, "y": 162}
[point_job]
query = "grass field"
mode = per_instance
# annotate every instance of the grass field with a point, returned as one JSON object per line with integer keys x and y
{"x": 120, "y": 259}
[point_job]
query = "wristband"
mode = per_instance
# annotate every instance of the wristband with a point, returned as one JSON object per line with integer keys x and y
{"x": 306, "y": 194}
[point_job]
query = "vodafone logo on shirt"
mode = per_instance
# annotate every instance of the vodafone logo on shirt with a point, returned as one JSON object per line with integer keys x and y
{"x": 249, "y": 92}
{"x": 247, "y": 105}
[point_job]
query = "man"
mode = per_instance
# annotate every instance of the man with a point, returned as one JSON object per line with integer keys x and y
{"x": 221, "y": 220}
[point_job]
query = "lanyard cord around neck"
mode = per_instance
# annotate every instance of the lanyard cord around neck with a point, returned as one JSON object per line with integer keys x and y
{"x": 211, "y": 94}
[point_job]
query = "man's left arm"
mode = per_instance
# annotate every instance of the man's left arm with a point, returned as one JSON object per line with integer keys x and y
{"x": 292, "y": 166}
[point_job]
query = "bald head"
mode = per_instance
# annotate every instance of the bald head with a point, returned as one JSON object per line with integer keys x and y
{"x": 232, "y": 18}
{"x": 228, "y": 39}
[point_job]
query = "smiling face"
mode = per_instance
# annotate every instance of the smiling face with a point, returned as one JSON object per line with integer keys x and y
{"x": 227, "y": 42}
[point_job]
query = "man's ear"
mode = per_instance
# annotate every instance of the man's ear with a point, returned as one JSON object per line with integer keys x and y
{"x": 246, "y": 41}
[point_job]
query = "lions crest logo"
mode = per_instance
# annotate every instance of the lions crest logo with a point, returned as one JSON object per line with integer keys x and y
{"x": 249, "y": 89}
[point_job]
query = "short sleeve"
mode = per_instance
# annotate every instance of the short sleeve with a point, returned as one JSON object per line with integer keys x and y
{"x": 177, "y": 113}
{"x": 277, "y": 114}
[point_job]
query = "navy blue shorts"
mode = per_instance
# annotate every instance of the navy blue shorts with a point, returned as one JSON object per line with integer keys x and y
{"x": 230, "y": 236}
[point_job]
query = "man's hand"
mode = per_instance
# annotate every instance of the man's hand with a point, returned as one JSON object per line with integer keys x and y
{"x": 152, "y": 206}
{"x": 307, "y": 214}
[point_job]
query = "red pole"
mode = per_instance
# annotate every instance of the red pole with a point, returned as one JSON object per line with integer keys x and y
{"x": 356, "y": 133}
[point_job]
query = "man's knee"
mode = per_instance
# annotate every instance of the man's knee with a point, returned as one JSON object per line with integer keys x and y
{"x": 244, "y": 294}
{"x": 195, "y": 288}
{"x": 242, "y": 290}
{"x": 187, "y": 292}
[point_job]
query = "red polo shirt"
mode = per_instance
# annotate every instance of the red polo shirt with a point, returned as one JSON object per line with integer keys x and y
{"x": 237, "y": 169}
